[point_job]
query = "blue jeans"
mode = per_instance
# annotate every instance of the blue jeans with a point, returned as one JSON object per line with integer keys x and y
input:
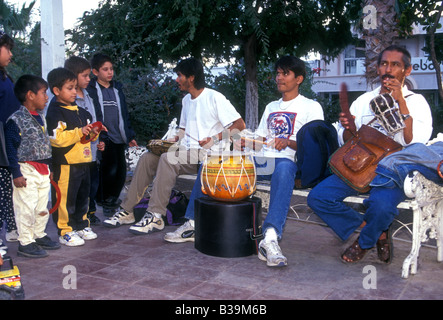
{"x": 282, "y": 185}
{"x": 195, "y": 194}
{"x": 326, "y": 199}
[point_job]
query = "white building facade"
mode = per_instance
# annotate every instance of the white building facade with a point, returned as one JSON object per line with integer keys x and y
{"x": 349, "y": 67}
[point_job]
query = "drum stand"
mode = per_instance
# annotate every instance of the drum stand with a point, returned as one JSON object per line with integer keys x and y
{"x": 227, "y": 229}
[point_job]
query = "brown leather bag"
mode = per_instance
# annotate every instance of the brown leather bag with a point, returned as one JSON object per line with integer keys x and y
{"x": 355, "y": 162}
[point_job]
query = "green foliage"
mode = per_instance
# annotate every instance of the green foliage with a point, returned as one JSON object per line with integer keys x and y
{"x": 27, "y": 49}
{"x": 153, "y": 101}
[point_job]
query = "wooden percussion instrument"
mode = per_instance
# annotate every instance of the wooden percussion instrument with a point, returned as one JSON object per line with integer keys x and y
{"x": 158, "y": 147}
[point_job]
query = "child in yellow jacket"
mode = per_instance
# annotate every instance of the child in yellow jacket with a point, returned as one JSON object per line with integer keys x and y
{"x": 67, "y": 125}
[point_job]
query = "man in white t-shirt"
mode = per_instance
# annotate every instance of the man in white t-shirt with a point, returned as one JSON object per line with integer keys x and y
{"x": 206, "y": 122}
{"x": 278, "y": 128}
{"x": 326, "y": 199}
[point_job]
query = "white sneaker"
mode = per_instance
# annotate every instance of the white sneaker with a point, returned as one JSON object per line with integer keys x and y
{"x": 71, "y": 239}
{"x": 87, "y": 234}
{"x": 271, "y": 253}
{"x": 148, "y": 224}
{"x": 184, "y": 233}
{"x": 119, "y": 218}
{"x": 12, "y": 236}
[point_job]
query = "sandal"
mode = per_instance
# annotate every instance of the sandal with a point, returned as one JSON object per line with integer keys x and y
{"x": 385, "y": 247}
{"x": 354, "y": 253}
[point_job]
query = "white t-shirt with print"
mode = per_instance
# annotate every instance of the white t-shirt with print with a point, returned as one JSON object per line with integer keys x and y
{"x": 205, "y": 116}
{"x": 283, "y": 119}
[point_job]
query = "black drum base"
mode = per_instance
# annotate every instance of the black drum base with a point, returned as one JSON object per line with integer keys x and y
{"x": 227, "y": 229}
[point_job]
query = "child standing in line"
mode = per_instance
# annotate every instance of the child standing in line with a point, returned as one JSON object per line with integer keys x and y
{"x": 29, "y": 154}
{"x": 8, "y": 105}
{"x": 68, "y": 124}
{"x": 110, "y": 105}
{"x": 82, "y": 69}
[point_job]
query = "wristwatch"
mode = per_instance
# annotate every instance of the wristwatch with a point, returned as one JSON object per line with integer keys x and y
{"x": 405, "y": 116}
{"x": 215, "y": 139}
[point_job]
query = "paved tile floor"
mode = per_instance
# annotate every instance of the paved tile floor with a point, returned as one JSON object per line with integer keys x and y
{"x": 122, "y": 266}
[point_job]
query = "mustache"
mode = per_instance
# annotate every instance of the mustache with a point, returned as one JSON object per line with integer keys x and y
{"x": 387, "y": 76}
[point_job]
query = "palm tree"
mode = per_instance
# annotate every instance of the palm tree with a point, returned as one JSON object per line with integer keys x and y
{"x": 379, "y": 34}
{"x": 15, "y": 21}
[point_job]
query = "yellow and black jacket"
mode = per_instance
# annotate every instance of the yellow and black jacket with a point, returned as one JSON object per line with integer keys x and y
{"x": 65, "y": 125}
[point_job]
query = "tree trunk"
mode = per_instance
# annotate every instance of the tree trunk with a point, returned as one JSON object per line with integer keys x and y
{"x": 251, "y": 101}
{"x": 381, "y": 33}
{"x": 431, "y": 33}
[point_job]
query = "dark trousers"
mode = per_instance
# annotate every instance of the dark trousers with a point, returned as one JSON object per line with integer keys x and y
{"x": 6, "y": 209}
{"x": 74, "y": 182}
{"x": 95, "y": 179}
{"x": 112, "y": 172}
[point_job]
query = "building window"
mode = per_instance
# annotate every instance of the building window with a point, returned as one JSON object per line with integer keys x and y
{"x": 352, "y": 55}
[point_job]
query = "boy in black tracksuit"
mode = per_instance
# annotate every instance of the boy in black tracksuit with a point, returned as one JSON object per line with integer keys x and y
{"x": 67, "y": 124}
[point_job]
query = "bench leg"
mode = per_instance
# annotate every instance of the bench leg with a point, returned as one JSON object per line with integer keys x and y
{"x": 440, "y": 231}
{"x": 410, "y": 263}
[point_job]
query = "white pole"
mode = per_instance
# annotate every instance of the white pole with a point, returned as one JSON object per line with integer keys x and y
{"x": 52, "y": 35}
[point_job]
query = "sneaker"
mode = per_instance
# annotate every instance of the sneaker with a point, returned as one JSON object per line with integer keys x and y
{"x": 71, "y": 239}
{"x": 121, "y": 217}
{"x": 93, "y": 219}
{"x": 32, "y": 250}
{"x": 87, "y": 234}
{"x": 12, "y": 236}
{"x": 184, "y": 233}
{"x": 47, "y": 244}
{"x": 149, "y": 223}
{"x": 271, "y": 253}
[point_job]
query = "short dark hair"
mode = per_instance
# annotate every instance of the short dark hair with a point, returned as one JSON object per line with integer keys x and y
{"x": 8, "y": 42}
{"x": 28, "y": 83}
{"x": 58, "y": 77}
{"x": 291, "y": 63}
{"x": 406, "y": 55}
{"x": 99, "y": 59}
{"x": 77, "y": 65}
{"x": 192, "y": 67}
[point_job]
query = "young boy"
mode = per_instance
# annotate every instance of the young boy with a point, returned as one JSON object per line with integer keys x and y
{"x": 110, "y": 105}
{"x": 71, "y": 158}
{"x": 82, "y": 69}
{"x": 29, "y": 154}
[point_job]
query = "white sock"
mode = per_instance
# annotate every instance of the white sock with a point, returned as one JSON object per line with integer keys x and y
{"x": 270, "y": 235}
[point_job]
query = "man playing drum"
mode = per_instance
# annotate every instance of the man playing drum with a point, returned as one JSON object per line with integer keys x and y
{"x": 207, "y": 117}
{"x": 278, "y": 128}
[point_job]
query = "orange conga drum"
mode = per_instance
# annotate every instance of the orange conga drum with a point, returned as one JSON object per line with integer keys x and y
{"x": 228, "y": 176}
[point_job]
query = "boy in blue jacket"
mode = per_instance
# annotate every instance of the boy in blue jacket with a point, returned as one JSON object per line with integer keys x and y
{"x": 111, "y": 110}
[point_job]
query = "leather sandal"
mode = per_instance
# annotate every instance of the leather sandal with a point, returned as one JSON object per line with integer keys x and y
{"x": 385, "y": 247}
{"x": 354, "y": 253}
